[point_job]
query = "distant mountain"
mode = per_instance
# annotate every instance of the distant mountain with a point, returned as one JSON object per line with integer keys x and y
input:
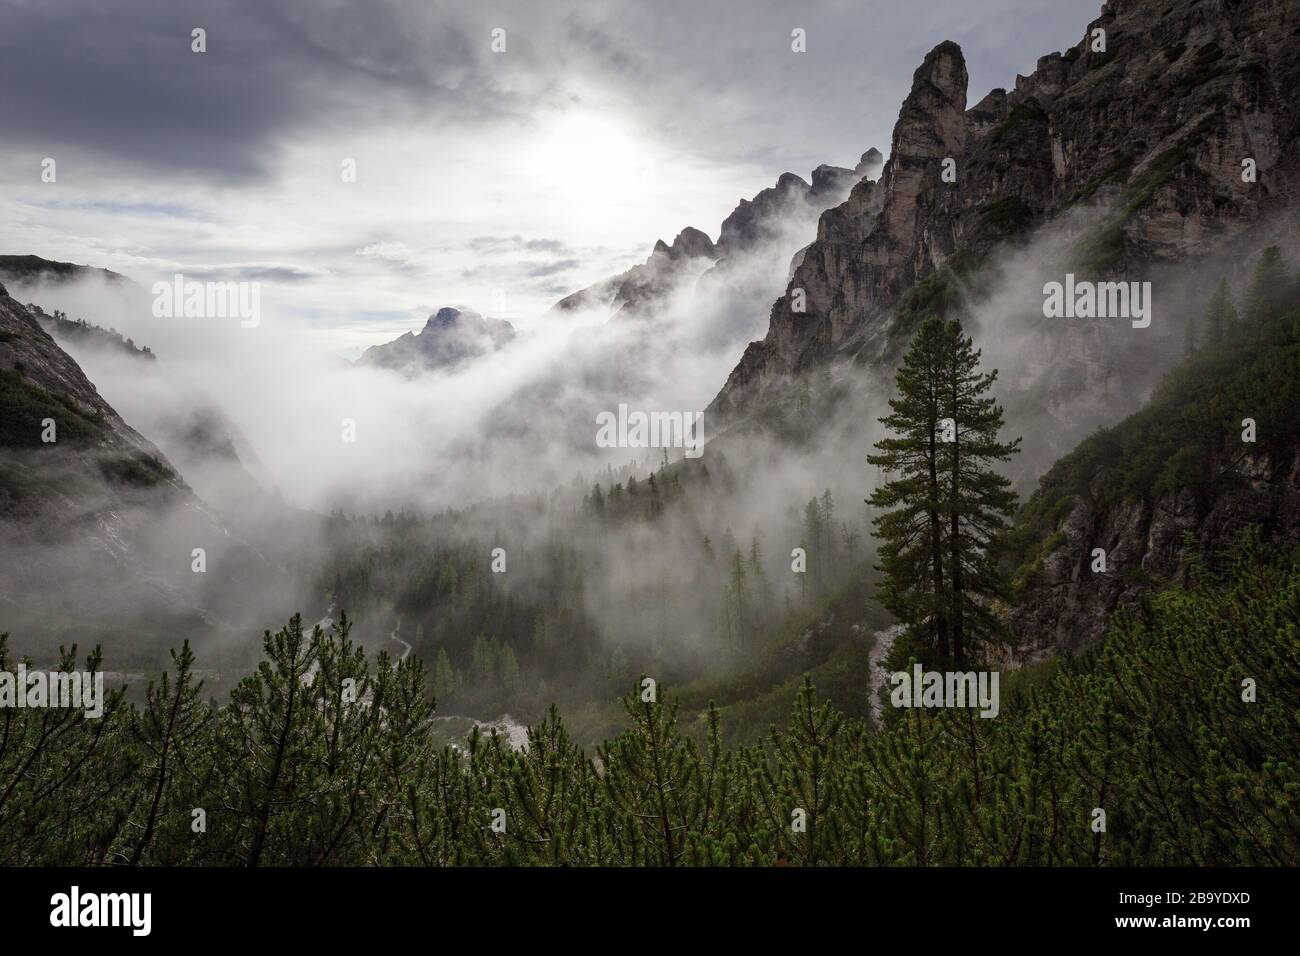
{"x": 450, "y": 337}
{"x": 692, "y": 302}
{"x": 773, "y": 211}
{"x": 25, "y": 269}
{"x": 639, "y": 289}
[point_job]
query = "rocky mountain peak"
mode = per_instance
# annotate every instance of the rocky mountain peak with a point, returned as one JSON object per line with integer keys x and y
{"x": 451, "y": 317}
{"x": 690, "y": 243}
{"x": 450, "y": 337}
{"x": 791, "y": 183}
{"x": 931, "y": 121}
{"x": 870, "y": 164}
{"x": 754, "y": 220}
{"x": 693, "y": 242}
{"x": 769, "y": 215}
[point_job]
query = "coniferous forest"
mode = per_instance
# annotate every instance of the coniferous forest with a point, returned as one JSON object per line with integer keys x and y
{"x": 1150, "y": 726}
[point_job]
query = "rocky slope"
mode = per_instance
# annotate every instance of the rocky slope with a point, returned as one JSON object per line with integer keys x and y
{"x": 201, "y": 442}
{"x": 450, "y": 337}
{"x": 42, "y": 383}
{"x": 1148, "y": 135}
{"x": 86, "y": 334}
{"x": 97, "y": 528}
{"x": 1176, "y": 485}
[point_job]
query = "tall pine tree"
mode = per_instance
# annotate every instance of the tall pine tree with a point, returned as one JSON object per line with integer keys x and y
{"x": 946, "y": 506}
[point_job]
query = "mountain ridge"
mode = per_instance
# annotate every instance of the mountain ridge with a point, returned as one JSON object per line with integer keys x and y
{"x": 1158, "y": 145}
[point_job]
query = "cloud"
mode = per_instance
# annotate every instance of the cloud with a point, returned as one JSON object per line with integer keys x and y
{"x": 552, "y": 268}
{"x": 167, "y": 157}
{"x": 500, "y": 245}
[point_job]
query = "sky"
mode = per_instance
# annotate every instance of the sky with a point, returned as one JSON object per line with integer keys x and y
{"x": 500, "y": 180}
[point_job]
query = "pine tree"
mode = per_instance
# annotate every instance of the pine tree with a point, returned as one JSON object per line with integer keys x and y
{"x": 173, "y": 721}
{"x": 552, "y": 787}
{"x": 651, "y": 778}
{"x": 738, "y": 592}
{"x": 947, "y": 506}
{"x": 813, "y": 533}
{"x": 797, "y": 781}
{"x": 444, "y": 676}
{"x": 344, "y": 696}
{"x": 1269, "y": 285}
{"x": 1219, "y": 315}
{"x": 482, "y": 661}
{"x": 826, "y": 507}
{"x": 272, "y": 742}
{"x": 851, "y": 538}
{"x": 508, "y": 666}
{"x": 762, "y": 587}
{"x": 911, "y": 555}
{"x": 978, "y": 500}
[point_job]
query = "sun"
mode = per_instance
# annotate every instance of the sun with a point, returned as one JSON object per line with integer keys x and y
{"x": 593, "y": 158}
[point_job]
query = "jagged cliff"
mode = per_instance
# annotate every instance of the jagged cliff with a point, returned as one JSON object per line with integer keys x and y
{"x": 766, "y": 218}
{"x": 1150, "y": 133}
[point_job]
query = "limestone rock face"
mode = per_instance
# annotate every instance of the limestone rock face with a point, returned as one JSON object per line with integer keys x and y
{"x": 1144, "y": 123}
{"x": 1070, "y": 605}
{"x": 754, "y": 220}
{"x": 36, "y": 367}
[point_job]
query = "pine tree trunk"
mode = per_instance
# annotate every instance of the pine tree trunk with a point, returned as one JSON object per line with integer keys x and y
{"x": 958, "y": 643}
{"x": 936, "y": 549}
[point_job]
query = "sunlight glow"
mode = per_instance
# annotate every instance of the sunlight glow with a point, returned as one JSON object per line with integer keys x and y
{"x": 592, "y": 158}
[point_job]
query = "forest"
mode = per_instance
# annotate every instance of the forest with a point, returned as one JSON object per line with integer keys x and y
{"x": 1173, "y": 743}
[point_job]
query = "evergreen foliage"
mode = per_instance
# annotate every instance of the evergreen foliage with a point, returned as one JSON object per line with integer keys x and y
{"x": 1154, "y": 727}
{"x": 944, "y": 508}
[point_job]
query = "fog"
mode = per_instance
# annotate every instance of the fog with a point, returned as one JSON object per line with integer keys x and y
{"x": 256, "y": 418}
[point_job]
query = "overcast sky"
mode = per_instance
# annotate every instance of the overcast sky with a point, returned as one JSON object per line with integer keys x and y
{"x": 501, "y": 181}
